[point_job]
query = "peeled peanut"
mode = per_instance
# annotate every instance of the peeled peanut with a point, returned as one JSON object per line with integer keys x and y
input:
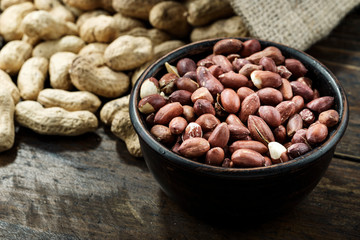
{"x": 294, "y": 124}
{"x": 298, "y": 149}
{"x": 185, "y": 65}
{"x": 162, "y": 134}
{"x": 270, "y": 115}
{"x": 177, "y": 125}
{"x": 223, "y": 62}
{"x": 270, "y": 96}
{"x": 268, "y": 64}
{"x": 184, "y": 83}
{"x": 321, "y": 104}
{"x": 280, "y": 134}
{"x": 216, "y": 70}
{"x": 286, "y": 89}
{"x": 189, "y": 113}
{"x": 168, "y": 112}
{"x": 307, "y": 116}
{"x": 295, "y": 67}
{"x": 207, "y": 80}
{"x": 303, "y": 90}
{"x": 307, "y": 81}
{"x": 202, "y": 93}
{"x": 286, "y": 109}
{"x": 248, "y": 68}
{"x": 330, "y": 117}
{"x": 283, "y": 72}
{"x": 249, "y": 47}
{"x": 278, "y": 152}
{"x": 239, "y": 62}
{"x": 316, "y": 133}
{"x": 259, "y": 130}
{"x": 249, "y": 106}
{"x": 220, "y": 136}
{"x": 194, "y": 147}
{"x": 202, "y": 106}
{"x": 233, "y": 80}
{"x": 192, "y": 130}
{"x": 227, "y": 46}
{"x": 299, "y": 136}
{"x": 248, "y": 144}
{"x": 262, "y": 79}
{"x": 208, "y": 122}
{"x": 247, "y": 158}
{"x": 243, "y": 92}
{"x": 272, "y": 52}
{"x": 151, "y": 103}
{"x": 181, "y": 96}
{"x": 215, "y": 156}
{"x": 230, "y": 101}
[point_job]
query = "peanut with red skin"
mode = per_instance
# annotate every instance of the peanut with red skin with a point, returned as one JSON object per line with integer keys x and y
{"x": 233, "y": 80}
{"x": 330, "y": 117}
{"x": 247, "y": 158}
{"x": 194, "y": 147}
{"x": 162, "y": 134}
{"x": 185, "y": 65}
{"x": 230, "y": 100}
{"x": 168, "y": 112}
{"x": 215, "y": 156}
{"x": 202, "y": 106}
{"x": 177, "y": 125}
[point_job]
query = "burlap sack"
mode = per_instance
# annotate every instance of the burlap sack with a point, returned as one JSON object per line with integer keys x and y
{"x": 297, "y": 23}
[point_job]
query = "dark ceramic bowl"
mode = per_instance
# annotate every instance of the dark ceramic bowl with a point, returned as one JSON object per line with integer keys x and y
{"x": 236, "y": 191}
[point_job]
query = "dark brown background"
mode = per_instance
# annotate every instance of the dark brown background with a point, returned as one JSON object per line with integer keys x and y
{"x": 89, "y": 187}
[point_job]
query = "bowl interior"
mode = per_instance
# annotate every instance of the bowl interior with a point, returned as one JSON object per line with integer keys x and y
{"x": 322, "y": 78}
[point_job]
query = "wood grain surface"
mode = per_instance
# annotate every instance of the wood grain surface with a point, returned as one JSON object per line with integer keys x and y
{"x": 89, "y": 187}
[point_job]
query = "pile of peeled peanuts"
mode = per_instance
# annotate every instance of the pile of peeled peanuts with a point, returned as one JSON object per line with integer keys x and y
{"x": 241, "y": 106}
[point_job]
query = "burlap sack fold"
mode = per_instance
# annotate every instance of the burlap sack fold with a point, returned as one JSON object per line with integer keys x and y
{"x": 297, "y": 23}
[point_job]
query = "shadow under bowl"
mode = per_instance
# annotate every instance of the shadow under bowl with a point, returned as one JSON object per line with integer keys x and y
{"x": 243, "y": 192}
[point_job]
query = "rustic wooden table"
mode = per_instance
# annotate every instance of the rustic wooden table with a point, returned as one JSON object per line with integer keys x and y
{"x": 89, "y": 187}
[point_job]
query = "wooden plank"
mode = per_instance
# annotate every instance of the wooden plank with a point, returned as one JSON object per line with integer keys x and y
{"x": 89, "y": 187}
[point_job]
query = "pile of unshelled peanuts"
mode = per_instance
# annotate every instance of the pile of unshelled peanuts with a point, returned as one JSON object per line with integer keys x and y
{"x": 66, "y": 65}
{"x": 241, "y": 106}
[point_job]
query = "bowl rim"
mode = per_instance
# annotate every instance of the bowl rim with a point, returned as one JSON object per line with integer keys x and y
{"x": 292, "y": 165}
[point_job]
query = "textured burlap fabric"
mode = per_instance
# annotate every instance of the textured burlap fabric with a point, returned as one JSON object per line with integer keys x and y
{"x": 297, "y": 23}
